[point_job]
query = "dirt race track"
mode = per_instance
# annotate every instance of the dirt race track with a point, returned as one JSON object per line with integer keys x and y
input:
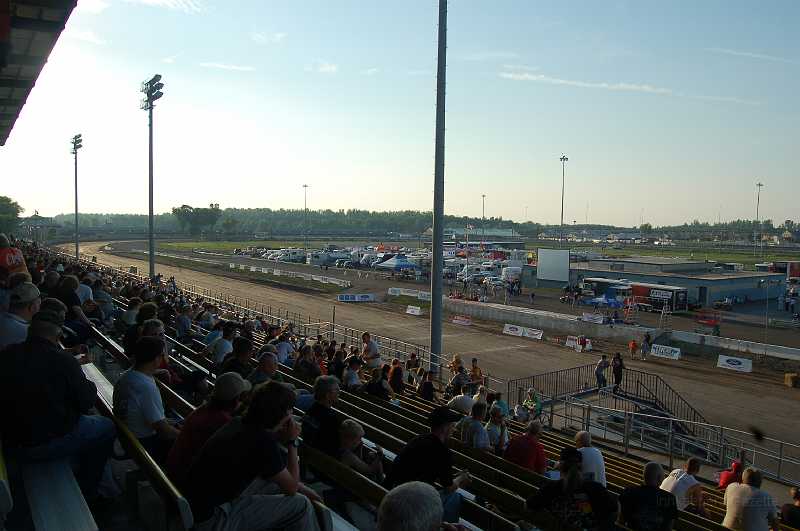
{"x": 731, "y": 399}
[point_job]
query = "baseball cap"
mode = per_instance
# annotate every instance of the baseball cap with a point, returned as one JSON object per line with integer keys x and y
{"x": 25, "y": 293}
{"x": 230, "y": 385}
{"x": 443, "y": 415}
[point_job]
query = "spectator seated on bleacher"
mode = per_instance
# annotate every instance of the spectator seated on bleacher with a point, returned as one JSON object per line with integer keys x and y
{"x": 44, "y": 403}
{"x": 353, "y": 453}
{"x": 747, "y": 507}
{"x": 427, "y": 458}
{"x": 378, "y": 385}
{"x": 593, "y": 465}
{"x": 526, "y": 450}
{"x": 11, "y": 258}
{"x": 463, "y": 402}
{"x": 306, "y": 367}
{"x": 183, "y": 324}
{"x": 473, "y": 434}
{"x": 214, "y": 333}
{"x": 10, "y": 282}
{"x": 239, "y": 359}
{"x": 336, "y": 365}
{"x": 500, "y": 403}
{"x": 531, "y": 407}
{"x": 204, "y": 421}
{"x": 396, "y": 376}
{"x": 688, "y": 492}
{"x": 137, "y": 401}
{"x": 734, "y": 475}
{"x": 790, "y": 512}
{"x": 223, "y": 345}
{"x": 241, "y": 479}
{"x": 147, "y": 311}
{"x": 412, "y": 506}
{"x": 267, "y": 368}
{"x": 24, "y": 302}
{"x": 497, "y": 431}
{"x": 50, "y": 284}
{"x": 285, "y": 349}
{"x": 425, "y": 389}
{"x": 76, "y": 320}
{"x": 460, "y": 383}
{"x": 573, "y": 502}
{"x": 647, "y": 507}
{"x": 351, "y": 381}
{"x": 84, "y": 289}
{"x": 475, "y": 375}
{"x": 321, "y": 424}
{"x": 104, "y": 301}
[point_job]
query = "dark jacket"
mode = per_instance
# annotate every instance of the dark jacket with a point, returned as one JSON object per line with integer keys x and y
{"x": 43, "y": 392}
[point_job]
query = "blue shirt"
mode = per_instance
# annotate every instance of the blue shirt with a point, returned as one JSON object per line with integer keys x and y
{"x": 13, "y": 329}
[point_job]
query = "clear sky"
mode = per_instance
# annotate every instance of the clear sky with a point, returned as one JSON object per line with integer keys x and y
{"x": 668, "y": 111}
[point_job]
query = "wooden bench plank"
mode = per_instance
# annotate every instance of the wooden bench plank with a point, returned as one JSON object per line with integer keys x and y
{"x": 55, "y": 499}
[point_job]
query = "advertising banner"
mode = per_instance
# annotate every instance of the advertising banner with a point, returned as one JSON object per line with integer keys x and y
{"x": 462, "y": 320}
{"x": 409, "y": 292}
{"x": 362, "y": 297}
{"x": 592, "y": 318}
{"x": 571, "y": 342}
{"x": 735, "y": 364}
{"x": 414, "y": 310}
{"x": 232, "y": 266}
{"x": 394, "y": 292}
{"x": 664, "y": 351}
{"x": 513, "y": 330}
{"x": 424, "y": 295}
{"x": 532, "y": 333}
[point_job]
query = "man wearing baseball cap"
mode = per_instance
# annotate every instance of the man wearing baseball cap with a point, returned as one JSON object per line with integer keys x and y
{"x": 24, "y": 302}
{"x": 44, "y": 401}
{"x": 204, "y": 421}
{"x": 572, "y": 501}
{"x": 427, "y": 458}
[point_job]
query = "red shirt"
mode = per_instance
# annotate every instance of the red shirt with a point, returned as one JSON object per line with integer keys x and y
{"x": 11, "y": 260}
{"x": 526, "y": 451}
{"x": 198, "y": 428}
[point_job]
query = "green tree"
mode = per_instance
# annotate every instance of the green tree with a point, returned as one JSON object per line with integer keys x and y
{"x": 646, "y": 228}
{"x": 196, "y": 219}
{"x": 9, "y": 214}
{"x": 229, "y": 225}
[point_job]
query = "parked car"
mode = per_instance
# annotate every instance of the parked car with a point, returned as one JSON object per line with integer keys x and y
{"x": 644, "y": 307}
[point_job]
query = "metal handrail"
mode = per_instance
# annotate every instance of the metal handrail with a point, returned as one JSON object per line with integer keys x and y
{"x": 778, "y": 459}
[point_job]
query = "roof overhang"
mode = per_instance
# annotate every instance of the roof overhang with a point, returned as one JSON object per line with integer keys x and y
{"x": 28, "y": 31}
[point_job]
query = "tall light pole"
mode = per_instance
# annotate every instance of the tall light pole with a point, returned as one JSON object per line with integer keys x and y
{"x": 77, "y": 143}
{"x": 563, "y": 160}
{"x": 305, "y": 221}
{"x": 483, "y": 220}
{"x": 759, "y": 186}
{"x": 152, "y": 91}
{"x": 437, "y": 262}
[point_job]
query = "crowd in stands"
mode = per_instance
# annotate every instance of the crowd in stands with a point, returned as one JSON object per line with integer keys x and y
{"x": 236, "y": 455}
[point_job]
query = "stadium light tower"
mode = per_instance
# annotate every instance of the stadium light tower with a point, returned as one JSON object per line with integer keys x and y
{"x": 77, "y": 143}
{"x": 152, "y": 91}
{"x": 483, "y": 220}
{"x": 759, "y": 186}
{"x": 563, "y": 160}
{"x": 437, "y": 261}
{"x": 305, "y": 222}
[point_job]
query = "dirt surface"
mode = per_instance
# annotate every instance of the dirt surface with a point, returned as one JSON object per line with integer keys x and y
{"x": 727, "y": 398}
{"x": 739, "y": 324}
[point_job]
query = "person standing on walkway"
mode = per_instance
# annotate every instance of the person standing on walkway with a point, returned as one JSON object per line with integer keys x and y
{"x": 632, "y": 348}
{"x": 600, "y": 372}
{"x": 617, "y": 366}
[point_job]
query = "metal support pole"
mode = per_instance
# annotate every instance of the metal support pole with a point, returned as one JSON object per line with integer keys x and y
{"x": 671, "y": 466}
{"x": 151, "y": 238}
{"x": 626, "y": 436}
{"x": 438, "y": 197}
{"x": 77, "y": 257}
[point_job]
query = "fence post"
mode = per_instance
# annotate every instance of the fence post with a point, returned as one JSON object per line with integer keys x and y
{"x": 626, "y": 436}
{"x": 721, "y": 459}
{"x": 552, "y": 411}
{"x": 333, "y": 322}
{"x": 780, "y": 459}
{"x": 671, "y": 467}
{"x": 588, "y": 420}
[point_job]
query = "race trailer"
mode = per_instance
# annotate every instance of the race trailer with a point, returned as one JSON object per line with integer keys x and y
{"x": 659, "y": 295}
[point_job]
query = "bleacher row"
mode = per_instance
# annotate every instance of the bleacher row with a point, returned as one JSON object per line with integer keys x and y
{"x": 495, "y": 498}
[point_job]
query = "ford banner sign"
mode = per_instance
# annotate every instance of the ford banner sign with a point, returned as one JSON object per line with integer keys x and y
{"x": 735, "y": 364}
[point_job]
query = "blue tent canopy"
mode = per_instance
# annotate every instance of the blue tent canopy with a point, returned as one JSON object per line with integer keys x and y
{"x": 397, "y": 263}
{"x": 605, "y": 301}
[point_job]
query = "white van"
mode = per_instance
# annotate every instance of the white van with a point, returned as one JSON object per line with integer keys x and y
{"x": 511, "y": 274}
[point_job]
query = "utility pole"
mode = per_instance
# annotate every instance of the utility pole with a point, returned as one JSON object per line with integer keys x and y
{"x": 152, "y": 91}
{"x": 77, "y": 143}
{"x": 437, "y": 262}
{"x": 759, "y": 186}
{"x": 305, "y": 210}
{"x": 563, "y": 160}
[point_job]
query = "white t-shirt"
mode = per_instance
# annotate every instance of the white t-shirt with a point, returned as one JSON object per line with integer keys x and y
{"x": 220, "y": 348}
{"x": 593, "y": 466}
{"x": 372, "y": 357}
{"x": 747, "y": 508}
{"x": 462, "y": 403}
{"x": 137, "y": 402}
{"x": 678, "y": 482}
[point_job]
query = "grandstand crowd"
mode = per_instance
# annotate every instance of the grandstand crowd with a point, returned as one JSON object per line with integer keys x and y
{"x": 260, "y": 393}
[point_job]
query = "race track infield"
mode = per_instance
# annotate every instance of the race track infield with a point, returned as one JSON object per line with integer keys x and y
{"x": 727, "y": 398}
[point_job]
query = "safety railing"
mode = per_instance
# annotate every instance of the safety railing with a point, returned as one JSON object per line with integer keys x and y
{"x": 716, "y": 445}
{"x": 555, "y": 384}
